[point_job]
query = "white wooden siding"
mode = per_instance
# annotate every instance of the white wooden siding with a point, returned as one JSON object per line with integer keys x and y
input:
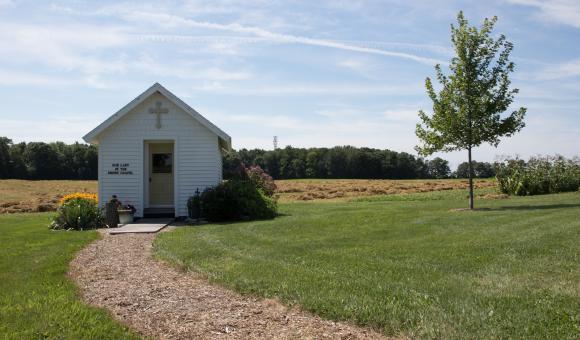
{"x": 197, "y": 154}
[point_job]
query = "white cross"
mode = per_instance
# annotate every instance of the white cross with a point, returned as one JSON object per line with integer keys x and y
{"x": 158, "y": 111}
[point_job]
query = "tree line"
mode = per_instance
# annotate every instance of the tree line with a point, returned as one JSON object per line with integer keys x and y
{"x": 346, "y": 162}
{"x": 38, "y": 160}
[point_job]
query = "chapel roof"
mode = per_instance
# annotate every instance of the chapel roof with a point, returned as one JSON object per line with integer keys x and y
{"x": 93, "y": 136}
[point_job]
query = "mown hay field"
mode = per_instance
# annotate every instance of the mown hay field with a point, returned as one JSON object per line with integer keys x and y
{"x": 17, "y": 196}
{"x": 320, "y": 189}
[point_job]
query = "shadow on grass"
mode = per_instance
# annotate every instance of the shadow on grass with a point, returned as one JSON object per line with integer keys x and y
{"x": 538, "y": 207}
{"x": 242, "y": 221}
{"x": 521, "y": 207}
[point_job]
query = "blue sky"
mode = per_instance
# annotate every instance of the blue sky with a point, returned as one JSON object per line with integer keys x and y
{"x": 314, "y": 73}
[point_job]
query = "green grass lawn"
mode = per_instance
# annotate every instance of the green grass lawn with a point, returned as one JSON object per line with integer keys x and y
{"x": 37, "y": 300}
{"x": 406, "y": 264}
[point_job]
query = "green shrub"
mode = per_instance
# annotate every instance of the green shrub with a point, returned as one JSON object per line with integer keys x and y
{"x": 247, "y": 195}
{"x": 78, "y": 214}
{"x": 237, "y": 199}
{"x": 539, "y": 175}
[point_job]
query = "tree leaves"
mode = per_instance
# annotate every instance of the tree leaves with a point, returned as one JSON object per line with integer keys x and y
{"x": 467, "y": 111}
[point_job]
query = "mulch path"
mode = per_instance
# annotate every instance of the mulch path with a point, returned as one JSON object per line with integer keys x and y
{"x": 118, "y": 273}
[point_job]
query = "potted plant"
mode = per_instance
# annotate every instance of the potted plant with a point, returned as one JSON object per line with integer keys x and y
{"x": 126, "y": 213}
{"x": 194, "y": 206}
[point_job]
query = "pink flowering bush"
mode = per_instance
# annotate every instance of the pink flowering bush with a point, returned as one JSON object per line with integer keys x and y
{"x": 261, "y": 180}
{"x": 248, "y": 195}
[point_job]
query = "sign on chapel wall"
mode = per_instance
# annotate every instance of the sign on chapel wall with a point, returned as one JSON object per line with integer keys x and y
{"x": 123, "y": 168}
{"x": 119, "y": 169}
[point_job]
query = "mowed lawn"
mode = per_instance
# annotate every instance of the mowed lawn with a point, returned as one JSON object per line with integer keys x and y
{"x": 405, "y": 264}
{"x": 37, "y": 300}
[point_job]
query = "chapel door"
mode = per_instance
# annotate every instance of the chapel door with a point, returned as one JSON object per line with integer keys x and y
{"x": 161, "y": 174}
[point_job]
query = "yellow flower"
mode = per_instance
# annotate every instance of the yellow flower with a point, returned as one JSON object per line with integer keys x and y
{"x": 83, "y": 195}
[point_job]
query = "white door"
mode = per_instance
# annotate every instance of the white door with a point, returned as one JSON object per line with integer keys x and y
{"x": 161, "y": 175}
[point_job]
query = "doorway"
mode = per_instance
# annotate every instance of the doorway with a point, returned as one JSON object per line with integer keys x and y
{"x": 161, "y": 173}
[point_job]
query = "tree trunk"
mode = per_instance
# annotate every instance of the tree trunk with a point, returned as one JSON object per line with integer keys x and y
{"x": 470, "y": 179}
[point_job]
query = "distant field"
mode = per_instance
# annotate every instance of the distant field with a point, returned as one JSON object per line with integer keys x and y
{"x": 316, "y": 189}
{"x": 36, "y": 196}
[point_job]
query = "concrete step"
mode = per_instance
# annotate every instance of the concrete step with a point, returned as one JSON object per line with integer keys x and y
{"x": 158, "y": 212}
{"x": 145, "y": 225}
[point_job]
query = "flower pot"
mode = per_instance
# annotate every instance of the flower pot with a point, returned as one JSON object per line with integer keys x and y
{"x": 125, "y": 216}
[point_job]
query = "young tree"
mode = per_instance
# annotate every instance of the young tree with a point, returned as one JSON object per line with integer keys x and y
{"x": 467, "y": 110}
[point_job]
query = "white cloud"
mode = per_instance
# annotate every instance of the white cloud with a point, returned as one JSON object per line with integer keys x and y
{"x": 402, "y": 115}
{"x": 147, "y": 15}
{"x": 565, "y": 12}
{"x": 560, "y": 71}
{"x": 64, "y": 127}
{"x": 199, "y": 69}
{"x": 86, "y": 54}
{"x": 327, "y": 132}
{"x": 261, "y": 122}
{"x": 353, "y": 64}
{"x": 338, "y": 112}
{"x": 315, "y": 89}
{"x": 15, "y": 78}
{"x": 550, "y": 92}
{"x": 228, "y": 41}
{"x": 169, "y": 21}
{"x": 357, "y": 132}
{"x": 333, "y": 125}
{"x": 361, "y": 66}
{"x": 63, "y": 49}
{"x": 268, "y": 121}
{"x": 432, "y": 48}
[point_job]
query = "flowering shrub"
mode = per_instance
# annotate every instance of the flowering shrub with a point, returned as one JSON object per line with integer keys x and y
{"x": 80, "y": 212}
{"x": 261, "y": 180}
{"x": 83, "y": 195}
{"x": 249, "y": 194}
{"x": 237, "y": 199}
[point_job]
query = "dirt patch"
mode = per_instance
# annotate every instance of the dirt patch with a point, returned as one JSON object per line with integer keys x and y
{"x": 157, "y": 300}
{"x": 306, "y": 190}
